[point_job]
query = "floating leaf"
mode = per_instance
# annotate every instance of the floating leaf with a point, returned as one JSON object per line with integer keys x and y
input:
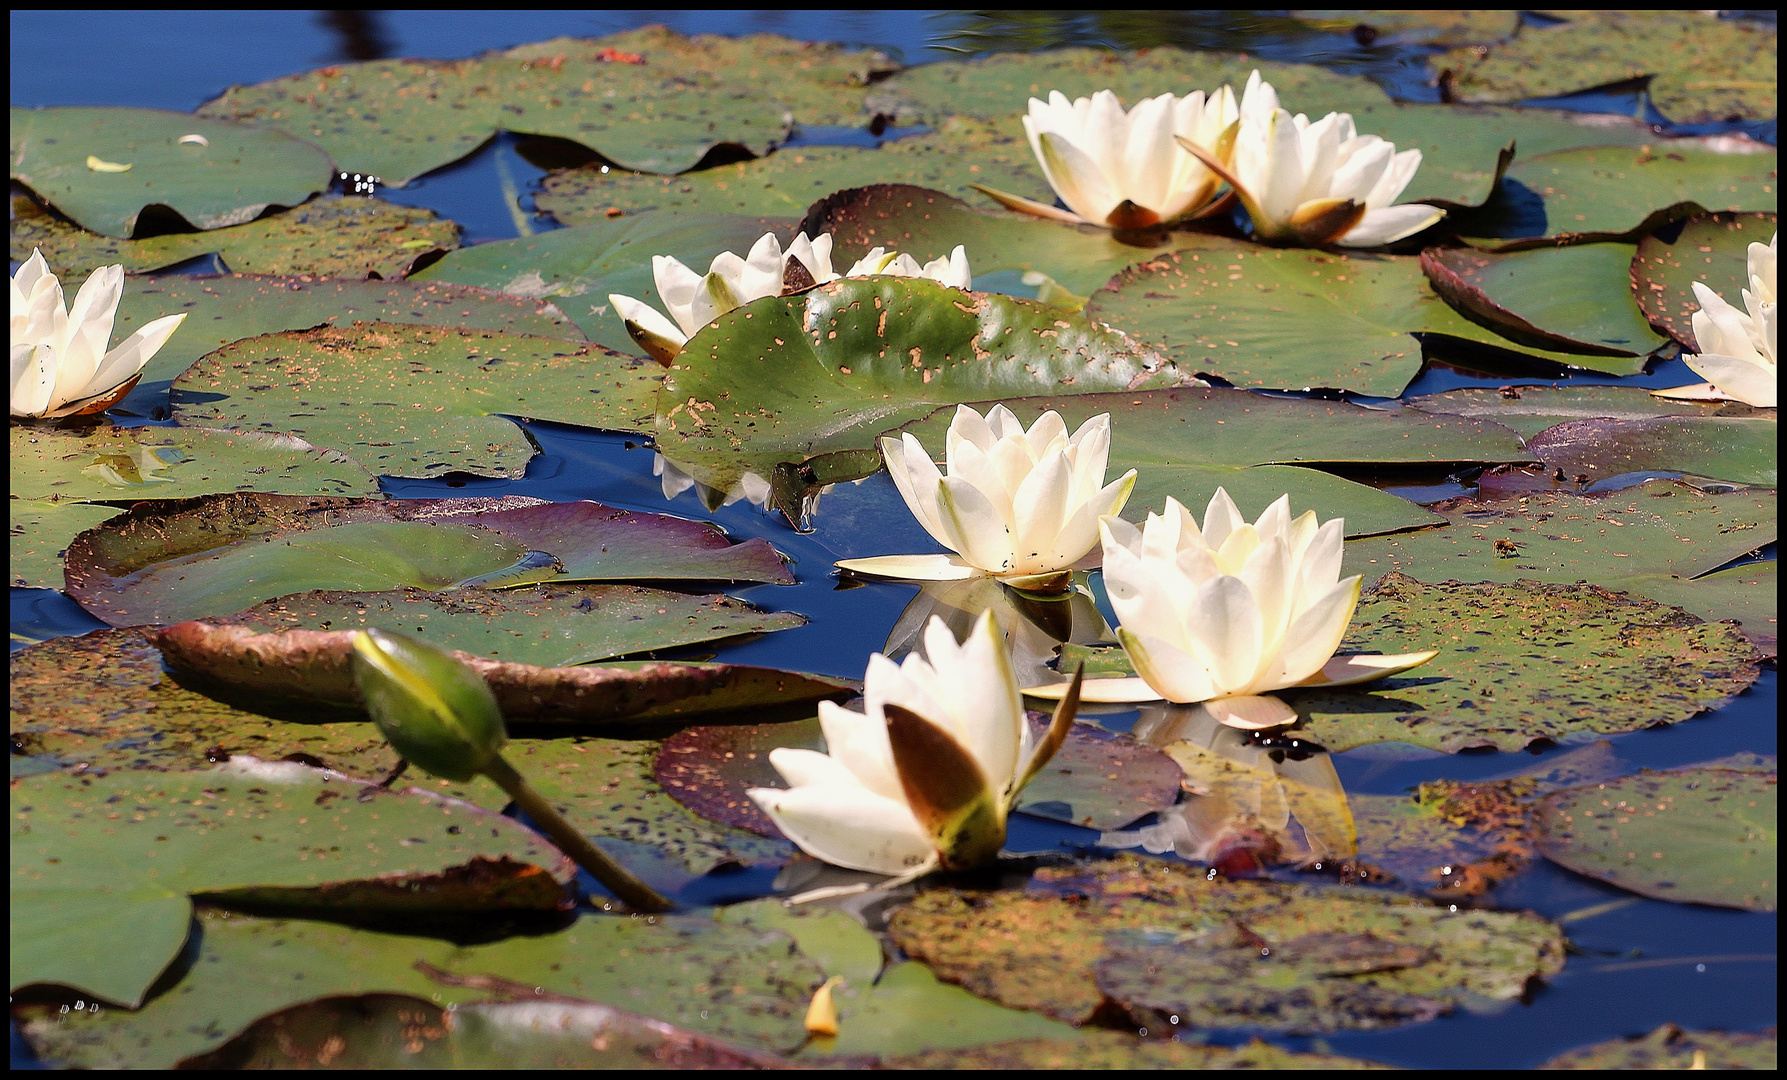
{"x": 1531, "y": 409}
{"x": 127, "y": 464}
{"x": 650, "y": 100}
{"x": 1615, "y": 192}
{"x": 577, "y": 268}
{"x": 228, "y": 177}
{"x": 1419, "y": 27}
{"x": 1698, "y": 68}
{"x": 907, "y": 1010}
{"x": 103, "y": 865}
{"x": 1187, "y": 442}
{"x": 416, "y": 400}
{"x": 1710, "y": 248}
{"x": 750, "y": 983}
{"x": 1740, "y": 450}
{"x": 1695, "y": 836}
{"x": 1057, "y": 939}
{"x": 1525, "y": 663}
{"x": 1099, "y": 1049}
{"x": 1669, "y": 1047}
{"x": 1271, "y": 317}
{"x": 330, "y": 237}
{"x": 1450, "y": 840}
{"x": 1549, "y": 298}
{"x": 41, "y": 532}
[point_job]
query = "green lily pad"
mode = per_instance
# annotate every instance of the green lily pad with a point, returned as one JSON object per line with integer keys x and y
{"x": 228, "y": 308}
{"x": 752, "y": 986}
{"x": 1616, "y": 193}
{"x": 1098, "y": 1049}
{"x": 1185, "y": 443}
{"x": 577, "y": 268}
{"x": 1294, "y": 319}
{"x": 1711, "y": 248}
{"x": 1532, "y": 409}
{"x": 41, "y": 533}
{"x": 103, "y": 865}
{"x": 126, "y": 464}
{"x": 1740, "y": 450}
{"x": 650, "y": 100}
{"x": 168, "y": 564}
{"x": 1746, "y": 593}
{"x": 1705, "y": 68}
{"x": 329, "y": 237}
{"x": 415, "y": 400}
{"x": 1525, "y": 663}
{"x": 757, "y": 388}
{"x": 543, "y": 625}
{"x": 1695, "y": 836}
{"x": 1062, "y": 940}
{"x": 227, "y": 176}
{"x": 1550, "y": 298}
{"x": 1669, "y": 1047}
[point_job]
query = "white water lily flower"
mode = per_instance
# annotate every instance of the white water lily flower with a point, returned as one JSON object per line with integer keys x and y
{"x": 60, "y": 364}
{"x": 1016, "y": 504}
{"x": 924, "y": 777}
{"x": 1317, "y": 183}
{"x": 694, "y": 300}
{"x": 1125, "y": 169}
{"x": 1228, "y": 613}
{"x": 1737, "y": 348}
{"x": 951, "y": 271}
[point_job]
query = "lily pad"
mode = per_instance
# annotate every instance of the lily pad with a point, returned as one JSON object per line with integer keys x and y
{"x": 1712, "y": 249}
{"x": 1694, "y": 836}
{"x": 127, "y": 464}
{"x": 1669, "y": 1047}
{"x": 1295, "y": 319}
{"x": 1187, "y": 442}
{"x": 1099, "y": 1049}
{"x": 543, "y": 625}
{"x": 227, "y": 175}
{"x": 103, "y": 865}
{"x": 1700, "y": 68}
{"x": 787, "y": 378}
{"x": 1450, "y": 840}
{"x": 1617, "y": 193}
{"x": 1532, "y": 409}
{"x": 672, "y": 968}
{"x": 650, "y": 100}
{"x": 1740, "y": 450}
{"x": 346, "y": 237}
{"x": 216, "y": 556}
{"x": 1549, "y": 298}
{"x": 1419, "y": 27}
{"x": 415, "y": 400}
{"x": 1525, "y": 663}
{"x": 590, "y": 261}
{"x": 41, "y": 533}
{"x": 1063, "y": 939}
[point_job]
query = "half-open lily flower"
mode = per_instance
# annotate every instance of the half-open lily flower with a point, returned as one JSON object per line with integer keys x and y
{"x": 60, "y": 364}
{"x": 1317, "y": 183}
{"x": 694, "y": 300}
{"x": 1737, "y": 348}
{"x": 1225, "y": 614}
{"x": 1124, "y": 169}
{"x": 1019, "y": 505}
{"x": 924, "y": 777}
{"x": 951, "y": 271}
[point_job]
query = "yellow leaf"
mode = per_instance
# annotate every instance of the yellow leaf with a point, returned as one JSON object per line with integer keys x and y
{"x": 106, "y": 166}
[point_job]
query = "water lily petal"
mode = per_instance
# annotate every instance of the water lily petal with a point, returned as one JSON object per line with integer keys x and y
{"x": 916, "y": 477}
{"x": 1075, "y": 176}
{"x": 800, "y": 767}
{"x": 1251, "y": 712}
{"x": 133, "y": 353}
{"x": 662, "y": 339}
{"x": 858, "y": 741}
{"x": 34, "y": 378}
{"x": 677, "y": 286}
{"x": 1315, "y": 634}
{"x": 1172, "y": 672}
{"x": 980, "y": 531}
{"x": 1099, "y": 691}
{"x": 1390, "y": 224}
{"x": 1038, "y": 511}
{"x": 1221, "y": 517}
{"x": 1745, "y": 380}
{"x": 981, "y": 694}
{"x": 848, "y": 827}
{"x": 1223, "y": 630}
{"x": 1363, "y": 668}
{"x": 911, "y": 568}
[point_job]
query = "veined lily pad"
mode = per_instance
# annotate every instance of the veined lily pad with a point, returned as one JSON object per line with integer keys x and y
{"x": 1525, "y": 663}
{"x": 1705, "y": 68}
{"x": 226, "y": 553}
{"x": 127, "y": 464}
{"x": 415, "y": 400}
{"x": 650, "y": 100}
{"x": 1271, "y": 317}
{"x": 1669, "y": 1047}
{"x": 1532, "y": 409}
{"x": 1187, "y": 442}
{"x": 1550, "y": 298}
{"x": 787, "y": 378}
{"x": 1737, "y": 449}
{"x": 227, "y": 175}
{"x": 103, "y": 865}
{"x": 577, "y": 268}
{"x": 1711, "y": 248}
{"x": 41, "y": 532}
{"x": 1063, "y": 940}
{"x": 1701, "y": 836}
{"x": 331, "y": 237}
{"x": 672, "y": 968}
{"x": 1615, "y": 192}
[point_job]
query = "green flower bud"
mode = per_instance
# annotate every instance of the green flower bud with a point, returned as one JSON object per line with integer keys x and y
{"x": 437, "y": 712}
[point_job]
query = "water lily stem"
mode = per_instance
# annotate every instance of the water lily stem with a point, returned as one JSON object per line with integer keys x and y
{"x": 617, "y": 878}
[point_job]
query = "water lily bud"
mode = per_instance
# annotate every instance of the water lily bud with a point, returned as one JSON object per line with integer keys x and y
{"x": 437, "y": 712}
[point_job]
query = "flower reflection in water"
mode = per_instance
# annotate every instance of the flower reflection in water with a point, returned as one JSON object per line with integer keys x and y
{"x": 1034, "y": 627}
